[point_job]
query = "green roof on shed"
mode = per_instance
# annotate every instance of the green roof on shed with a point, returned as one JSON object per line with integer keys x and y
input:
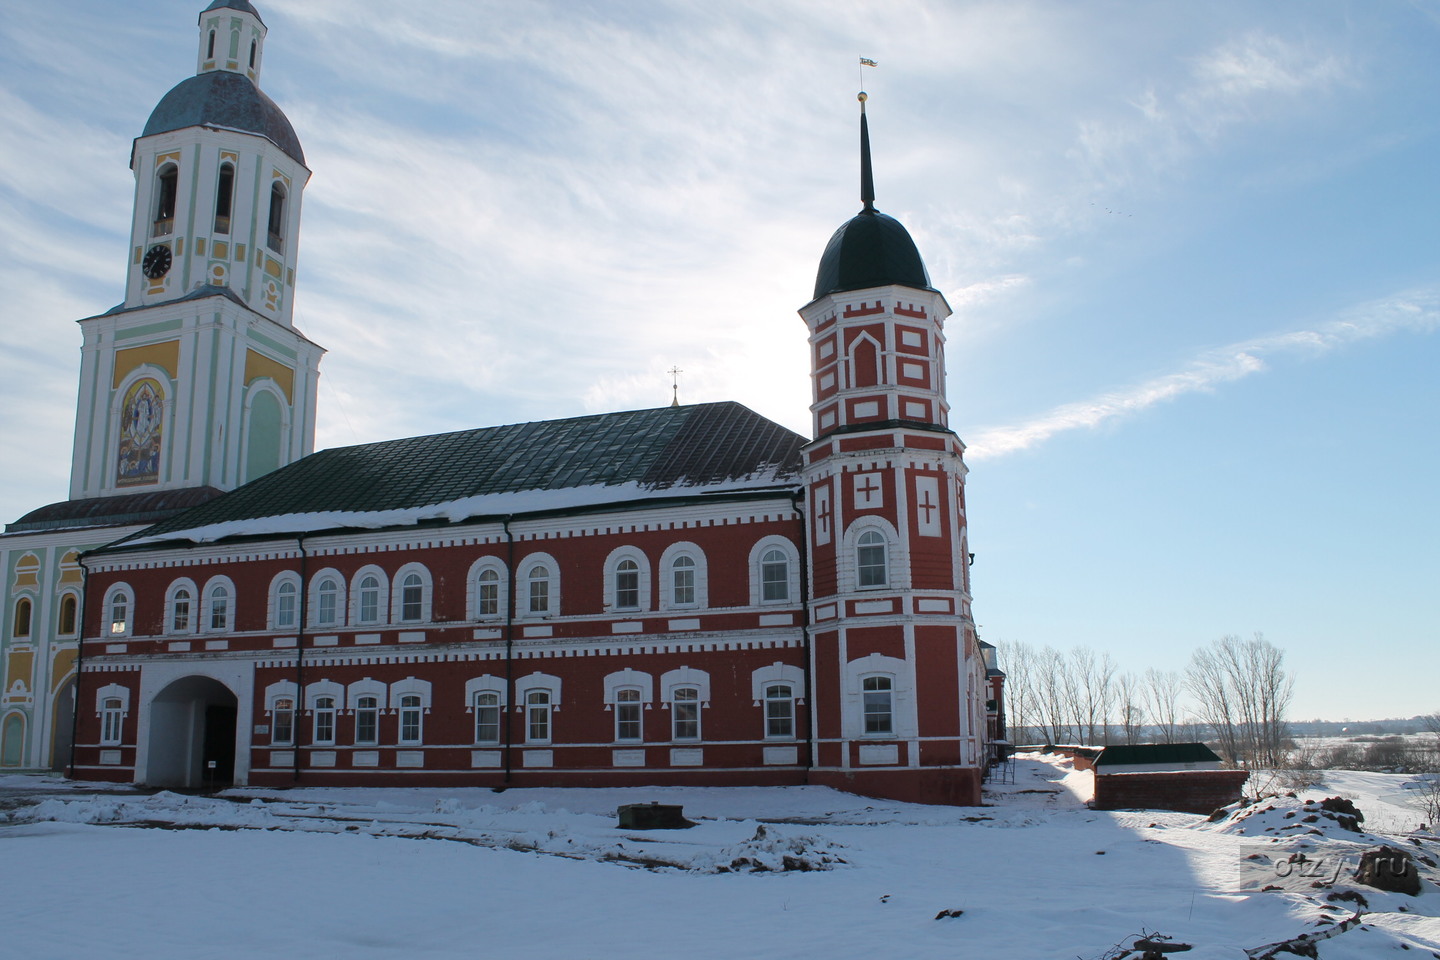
{"x": 1122, "y": 755}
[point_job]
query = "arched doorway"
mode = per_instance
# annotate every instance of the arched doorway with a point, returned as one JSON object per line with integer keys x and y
{"x": 12, "y": 740}
{"x": 62, "y": 718}
{"x": 192, "y": 735}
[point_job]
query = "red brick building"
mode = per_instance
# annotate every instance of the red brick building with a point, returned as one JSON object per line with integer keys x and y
{"x": 685, "y": 595}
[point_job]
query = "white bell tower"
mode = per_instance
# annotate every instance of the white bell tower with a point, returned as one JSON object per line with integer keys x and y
{"x": 199, "y": 378}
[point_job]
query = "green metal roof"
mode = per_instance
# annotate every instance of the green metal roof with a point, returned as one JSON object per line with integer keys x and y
{"x": 681, "y": 449}
{"x": 1122, "y": 755}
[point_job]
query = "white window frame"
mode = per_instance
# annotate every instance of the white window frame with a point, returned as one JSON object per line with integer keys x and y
{"x": 486, "y": 685}
{"x": 551, "y": 578}
{"x": 274, "y": 693}
{"x": 118, "y": 594}
{"x": 218, "y": 588}
{"x": 757, "y": 562}
{"x": 317, "y": 582}
{"x": 121, "y": 694}
{"x": 700, "y": 571}
{"x": 357, "y": 600}
{"x": 904, "y": 721}
{"x": 478, "y": 569}
{"x": 398, "y": 588}
{"x": 367, "y": 687}
{"x": 685, "y": 678}
{"x": 617, "y": 557}
{"x": 896, "y": 559}
{"x": 866, "y": 543}
{"x": 273, "y": 614}
{"x": 779, "y": 673}
{"x": 410, "y": 708}
{"x": 192, "y": 615}
{"x": 629, "y": 680}
{"x": 532, "y": 683}
{"x": 314, "y": 693}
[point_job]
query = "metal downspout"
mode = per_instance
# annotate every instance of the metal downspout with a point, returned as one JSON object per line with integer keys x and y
{"x": 799, "y": 500}
{"x": 509, "y": 641}
{"x": 79, "y": 662}
{"x": 301, "y": 613}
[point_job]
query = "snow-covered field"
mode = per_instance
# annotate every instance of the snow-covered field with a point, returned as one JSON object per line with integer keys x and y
{"x": 765, "y": 873}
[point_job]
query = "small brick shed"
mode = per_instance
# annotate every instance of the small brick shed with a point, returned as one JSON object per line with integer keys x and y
{"x": 1186, "y": 777}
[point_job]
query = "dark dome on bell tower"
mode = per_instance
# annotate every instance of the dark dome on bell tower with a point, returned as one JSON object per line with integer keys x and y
{"x": 870, "y": 249}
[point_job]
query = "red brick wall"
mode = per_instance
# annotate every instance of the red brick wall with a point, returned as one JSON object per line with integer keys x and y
{"x": 1188, "y": 791}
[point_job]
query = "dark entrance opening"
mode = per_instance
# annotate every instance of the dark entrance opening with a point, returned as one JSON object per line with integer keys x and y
{"x": 192, "y": 735}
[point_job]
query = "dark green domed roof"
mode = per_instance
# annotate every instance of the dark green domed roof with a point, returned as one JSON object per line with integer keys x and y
{"x": 227, "y": 100}
{"x": 870, "y": 250}
{"x": 244, "y": 6}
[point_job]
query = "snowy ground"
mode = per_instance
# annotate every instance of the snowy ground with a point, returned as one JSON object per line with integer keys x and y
{"x": 441, "y": 874}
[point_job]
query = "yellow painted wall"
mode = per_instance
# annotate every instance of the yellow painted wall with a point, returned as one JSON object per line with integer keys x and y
{"x": 165, "y": 355}
{"x": 258, "y": 365}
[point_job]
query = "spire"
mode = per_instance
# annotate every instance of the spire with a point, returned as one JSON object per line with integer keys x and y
{"x": 867, "y": 180}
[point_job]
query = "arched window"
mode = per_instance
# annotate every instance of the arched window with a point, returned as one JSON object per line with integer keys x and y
{"x": 871, "y": 564}
{"x": 779, "y": 711}
{"x": 685, "y": 713}
{"x": 774, "y": 575}
{"x": 627, "y": 714}
{"x": 180, "y": 610}
{"x": 224, "y": 196}
{"x": 287, "y": 594}
{"x": 282, "y": 721}
{"x": 537, "y": 587}
{"x": 682, "y": 581}
{"x": 369, "y": 599}
{"x": 69, "y": 614}
{"x": 24, "y": 613}
{"x": 112, "y": 717}
{"x": 367, "y": 720}
{"x": 253, "y": 47}
{"x": 627, "y": 585}
{"x": 117, "y": 611}
{"x": 327, "y": 601}
{"x": 210, "y": 46}
{"x": 537, "y": 716}
{"x": 216, "y": 612}
{"x": 411, "y": 711}
{"x": 412, "y": 598}
{"x": 277, "y": 217}
{"x": 487, "y": 596}
{"x": 167, "y": 188}
{"x": 487, "y": 717}
{"x": 324, "y": 712}
{"x": 878, "y": 699}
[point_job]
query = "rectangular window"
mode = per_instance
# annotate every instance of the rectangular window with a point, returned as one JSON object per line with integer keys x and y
{"x": 683, "y": 586}
{"x": 285, "y": 607}
{"x": 487, "y": 718}
{"x": 325, "y": 720}
{"x": 878, "y": 705}
{"x": 489, "y": 599}
{"x": 686, "y": 710}
{"x": 779, "y": 712}
{"x": 627, "y": 715}
{"x": 410, "y": 713}
{"x": 219, "y": 612}
{"x": 775, "y": 576}
{"x": 111, "y": 718}
{"x": 537, "y": 716}
{"x": 539, "y": 596}
{"x": 367, "y": 720}
{"x": 181, "y": 621}
{"x": 282, "y": 726}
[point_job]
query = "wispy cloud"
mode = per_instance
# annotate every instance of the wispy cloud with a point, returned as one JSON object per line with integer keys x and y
{"x": 1413, "y": 311}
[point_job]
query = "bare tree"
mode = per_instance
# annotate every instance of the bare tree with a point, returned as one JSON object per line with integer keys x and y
{"x": 1162, "y": 702}
{"x": 1051, "y": 700}
{"x": 1020, "y": 680}
{"x": 1129, "y": 697}
{"x": 1242, "y": 693}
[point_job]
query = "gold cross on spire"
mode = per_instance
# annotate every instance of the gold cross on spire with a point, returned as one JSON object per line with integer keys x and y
{"x": 674, "y": 385}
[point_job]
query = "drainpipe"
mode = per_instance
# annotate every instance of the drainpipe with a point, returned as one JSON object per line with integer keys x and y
{"x": 301, "y": 613}
{"x": 79, "y": 662}
{"x": 509, "y": 641}
{"x": 798, "y": 498}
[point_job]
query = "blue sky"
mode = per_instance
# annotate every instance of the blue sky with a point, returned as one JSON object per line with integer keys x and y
{"x": 1191, "y": 248}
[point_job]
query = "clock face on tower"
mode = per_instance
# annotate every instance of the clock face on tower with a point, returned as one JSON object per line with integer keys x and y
{"x": 157, "y": 261}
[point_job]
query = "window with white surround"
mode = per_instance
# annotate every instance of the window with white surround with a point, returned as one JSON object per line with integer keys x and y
{"x": 872, "y": 565}
{"x": 774, "y": 571}
{"x": 180, "y": 612}
{"x": 69, "y": 614}
{"x": 285, "y": 601}
{"x": 485, "y": 698}
{"x": 540, "y": 586}
{"x": 327, "y": 599}
{"x": 365, "y": 699}
{"x": 627, "y": 579}
{"x": 281, "y": 702}
{"x": 537, "y": 716}
{"x": 324, "y": 715}
{"x": 369, "y": 600}
{"x": 216, "y": 611}
{"x": 488, "y": 593}
{"x": 119, "y": 604}
{"x": 878, "y": 705}
{"x": 628, "y": 709}
{"x": 276, "y": 222}
{"x": 167, "y": 189}
{"x": 685, "y": 713}
{"x": 684, "y": 577}
{"x": 539, "y": 696}
{"x": 411, "y": 723}
{"x": 24, "y": 615}
{"x": 685, "y": 691}
{"x": 112, "y": 703}
{"x": 411, "y": 602}
{"x": 779, "y": 711}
